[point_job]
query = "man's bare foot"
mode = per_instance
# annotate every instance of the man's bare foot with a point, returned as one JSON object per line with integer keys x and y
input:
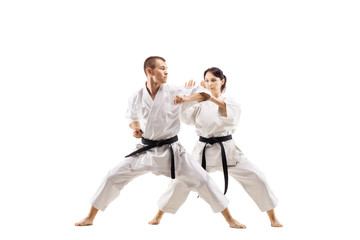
{"x": 232, "y": 222}
{"x": 85, "y": 222}
{"x": 155, "y": 221}
{"x": 274, "y": 221}
{"x": 157, "y": 218}
{"x": 88, "y": 221}
{"x": 235, "y": 224}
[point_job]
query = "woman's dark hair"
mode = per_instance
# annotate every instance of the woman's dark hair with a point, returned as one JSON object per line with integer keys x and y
{"x": 217, "y": 73}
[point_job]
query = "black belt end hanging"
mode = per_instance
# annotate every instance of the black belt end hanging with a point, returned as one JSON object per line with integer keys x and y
{"x": 223, "y": 155}
{"x": 172, "y": 167}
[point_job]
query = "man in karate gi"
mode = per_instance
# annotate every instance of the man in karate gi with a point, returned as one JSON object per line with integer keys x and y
{"x": 153, "y": 114}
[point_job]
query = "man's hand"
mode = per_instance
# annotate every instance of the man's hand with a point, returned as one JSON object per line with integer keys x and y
{"x": 137, "y": 133}
{"x": 180, "y": 99}
{"x": 190, "y": 83}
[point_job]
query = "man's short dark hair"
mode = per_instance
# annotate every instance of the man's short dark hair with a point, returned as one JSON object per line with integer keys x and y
{"x": 150, "y": 62}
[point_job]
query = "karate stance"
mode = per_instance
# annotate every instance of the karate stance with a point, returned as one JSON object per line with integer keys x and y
{"x": 153, "y": 114}
{"x": 215, "y": 121}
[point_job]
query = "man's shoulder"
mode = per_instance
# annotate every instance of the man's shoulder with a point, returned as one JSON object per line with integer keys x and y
{"x": 136, "y": 94}
{"x": 173, "y": 88}
{"x": 167, "y": 86}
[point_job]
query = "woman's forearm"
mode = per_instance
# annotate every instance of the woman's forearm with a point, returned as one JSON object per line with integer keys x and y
{"x": 218, "y": 102}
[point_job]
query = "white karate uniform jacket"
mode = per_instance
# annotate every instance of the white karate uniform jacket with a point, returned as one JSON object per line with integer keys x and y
{"x": 210, "y": 121}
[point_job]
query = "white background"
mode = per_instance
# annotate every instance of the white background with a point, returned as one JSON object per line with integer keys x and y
{"x": 67, "y": 69}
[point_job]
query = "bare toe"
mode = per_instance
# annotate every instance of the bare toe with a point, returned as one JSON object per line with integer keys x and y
{"x": 84, "y": 222}
{"x": 235, "y": 224}
{"x": 276, "y": 224}
{"x": 154, "y": 222}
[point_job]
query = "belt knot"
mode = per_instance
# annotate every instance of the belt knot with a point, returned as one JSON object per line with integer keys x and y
{"x": 212, "y": 140}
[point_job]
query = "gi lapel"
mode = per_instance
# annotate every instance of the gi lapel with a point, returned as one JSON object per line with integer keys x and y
{"x": 154, "y": 124}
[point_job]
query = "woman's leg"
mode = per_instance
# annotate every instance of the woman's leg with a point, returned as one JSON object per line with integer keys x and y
{"x": 255, "y": 184}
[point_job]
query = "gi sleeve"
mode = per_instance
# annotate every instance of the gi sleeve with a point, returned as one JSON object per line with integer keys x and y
{"x": 233, "y": 110}
{"x": 132, "y": 112}
{"x": 188, "y": 115}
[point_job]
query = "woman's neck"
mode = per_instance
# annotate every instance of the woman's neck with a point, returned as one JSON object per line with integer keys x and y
{"x": 216, "y": 94}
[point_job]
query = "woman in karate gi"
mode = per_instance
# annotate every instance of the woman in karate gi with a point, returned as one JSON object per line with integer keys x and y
{"x": 218, "y": 119}
{"x": 153, "y": 114}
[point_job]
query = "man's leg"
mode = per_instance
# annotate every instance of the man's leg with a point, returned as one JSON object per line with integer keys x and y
{"x": 171, "y": 200}
{"x": 110, "y": 188}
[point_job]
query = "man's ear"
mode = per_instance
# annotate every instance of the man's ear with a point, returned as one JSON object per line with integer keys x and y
{"x": 149, "y": 71}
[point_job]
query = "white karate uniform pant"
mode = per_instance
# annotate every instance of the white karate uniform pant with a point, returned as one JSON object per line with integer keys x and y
{"x": 191, "y": 174}
{"x": 244, "y": 172}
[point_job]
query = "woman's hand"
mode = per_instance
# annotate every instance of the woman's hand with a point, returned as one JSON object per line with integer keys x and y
{"x": 204, "y": 85}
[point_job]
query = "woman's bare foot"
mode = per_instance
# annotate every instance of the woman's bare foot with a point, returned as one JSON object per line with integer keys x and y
{"x": 232, "y": 222}
{"x": 274, "y": 221}
{"x": 157, "y": 218}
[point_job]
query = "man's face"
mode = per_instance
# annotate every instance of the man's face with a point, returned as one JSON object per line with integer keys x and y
{"x": 160, "y": 71}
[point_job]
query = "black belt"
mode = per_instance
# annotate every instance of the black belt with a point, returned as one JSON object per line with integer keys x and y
{"x": 223, "y": 155}
{"x": 152, "y": 143}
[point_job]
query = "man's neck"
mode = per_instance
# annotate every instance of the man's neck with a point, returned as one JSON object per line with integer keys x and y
{"x": 152, "y": 87}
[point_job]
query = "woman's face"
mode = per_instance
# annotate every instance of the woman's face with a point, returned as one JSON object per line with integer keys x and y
{"x": 214, "y": 83}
